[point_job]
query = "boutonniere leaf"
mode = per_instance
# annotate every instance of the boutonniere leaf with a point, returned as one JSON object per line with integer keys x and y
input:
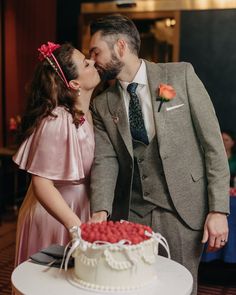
{"x": 165, "y": 93}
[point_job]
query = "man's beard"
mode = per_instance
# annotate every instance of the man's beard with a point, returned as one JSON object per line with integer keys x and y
{"x": 111, "y": 69}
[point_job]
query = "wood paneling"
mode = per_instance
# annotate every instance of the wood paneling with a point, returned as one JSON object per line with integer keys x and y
{"x": 155, "y": 5}
{"x": 86, "y": 18}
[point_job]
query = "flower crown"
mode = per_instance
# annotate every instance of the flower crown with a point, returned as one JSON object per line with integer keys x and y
{"x": 46, "y": 52}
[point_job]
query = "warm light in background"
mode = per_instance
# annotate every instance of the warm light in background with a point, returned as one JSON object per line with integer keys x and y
{"x": 155, "y": 5}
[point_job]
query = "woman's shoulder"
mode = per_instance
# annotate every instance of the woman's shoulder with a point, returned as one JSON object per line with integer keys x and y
{"x": 58, "y": 114}
{"x": 61, "y": 111}
{"x": 59, "y": 122}
{"x": 53, "y": 149}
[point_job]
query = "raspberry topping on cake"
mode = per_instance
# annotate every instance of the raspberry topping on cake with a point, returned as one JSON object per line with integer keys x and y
{"x": 113, "y": 232}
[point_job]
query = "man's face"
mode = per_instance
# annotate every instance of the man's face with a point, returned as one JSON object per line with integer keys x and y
{"x": 107, "y": 62}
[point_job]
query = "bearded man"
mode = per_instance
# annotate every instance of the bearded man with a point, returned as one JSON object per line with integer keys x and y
{"x": 159, "y": 156}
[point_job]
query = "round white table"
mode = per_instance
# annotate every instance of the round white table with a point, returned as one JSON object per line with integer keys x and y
{"x": 34, "y": 279}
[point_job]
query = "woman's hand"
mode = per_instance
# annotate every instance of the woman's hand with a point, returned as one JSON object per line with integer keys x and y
{"x": 75, "y": 232}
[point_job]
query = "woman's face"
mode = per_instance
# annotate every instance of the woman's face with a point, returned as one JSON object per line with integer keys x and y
{"x": 87, "y": 74}
{"x": 228, "y": 141}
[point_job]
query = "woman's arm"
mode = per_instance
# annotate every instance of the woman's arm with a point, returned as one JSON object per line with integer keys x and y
{"x": 52, "y": 201}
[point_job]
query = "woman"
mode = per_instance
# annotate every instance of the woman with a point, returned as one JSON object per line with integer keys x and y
{"x": 57, "y": 149}
{"x": 229, "y": 143}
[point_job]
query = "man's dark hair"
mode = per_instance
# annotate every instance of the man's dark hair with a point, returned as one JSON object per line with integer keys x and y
{"x": 117, "y": 24}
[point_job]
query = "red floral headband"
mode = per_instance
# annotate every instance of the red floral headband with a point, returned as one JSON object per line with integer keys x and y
{"x": 46, "y": 52}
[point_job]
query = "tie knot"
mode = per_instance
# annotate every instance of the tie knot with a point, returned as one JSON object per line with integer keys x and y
{"x": 131, "y": 88}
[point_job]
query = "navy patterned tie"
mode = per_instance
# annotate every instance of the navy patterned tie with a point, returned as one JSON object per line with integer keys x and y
{"x": 137, "y": 127}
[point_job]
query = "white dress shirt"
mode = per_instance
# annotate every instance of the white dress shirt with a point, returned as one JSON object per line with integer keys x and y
{"x": 143, "y": 93}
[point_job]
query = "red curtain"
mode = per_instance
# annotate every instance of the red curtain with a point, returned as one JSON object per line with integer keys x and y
{"x": 27, "y": 24}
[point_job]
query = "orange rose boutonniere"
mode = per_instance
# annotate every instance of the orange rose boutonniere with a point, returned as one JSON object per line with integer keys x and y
{"x": 165, "y": 93}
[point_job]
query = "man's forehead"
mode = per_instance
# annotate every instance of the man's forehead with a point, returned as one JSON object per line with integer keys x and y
{"x": 94, "y": 40}
{"x": 97, "y": 42}
{"x": 96, "y": 36}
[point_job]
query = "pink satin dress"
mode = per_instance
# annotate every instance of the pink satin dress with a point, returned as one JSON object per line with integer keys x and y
{"x": 58, "y": 151}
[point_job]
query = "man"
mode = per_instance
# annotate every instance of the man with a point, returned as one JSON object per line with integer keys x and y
{"x": 161, "y": 165}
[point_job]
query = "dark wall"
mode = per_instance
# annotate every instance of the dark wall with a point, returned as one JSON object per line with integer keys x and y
{"x": 208, "y": 42}
{"x": 67, "y": 21}
{"x": 2, "y": 77}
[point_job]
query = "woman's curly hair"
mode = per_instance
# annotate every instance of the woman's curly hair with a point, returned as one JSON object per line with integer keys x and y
{"x": 47, "y": 91}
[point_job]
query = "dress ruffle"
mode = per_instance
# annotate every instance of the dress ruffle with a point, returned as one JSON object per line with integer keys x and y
{"x": 54, "y": 150}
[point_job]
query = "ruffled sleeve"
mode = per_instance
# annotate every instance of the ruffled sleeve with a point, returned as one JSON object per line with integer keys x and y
{"x": 53, "y": 150}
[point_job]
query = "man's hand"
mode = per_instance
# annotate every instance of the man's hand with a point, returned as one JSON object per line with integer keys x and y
{"x": 215, "y": 231}
{"x": 98, "y": 217}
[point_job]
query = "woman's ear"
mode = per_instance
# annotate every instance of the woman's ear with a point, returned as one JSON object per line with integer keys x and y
{"x": 74, "y": 84}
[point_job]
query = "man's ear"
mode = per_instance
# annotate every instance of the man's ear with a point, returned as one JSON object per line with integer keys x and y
{"x": 74, "y": 84}
{"x": 120, "y": 47}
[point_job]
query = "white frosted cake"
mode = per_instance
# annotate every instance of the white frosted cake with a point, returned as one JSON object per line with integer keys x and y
{"x": 116, "y": 255}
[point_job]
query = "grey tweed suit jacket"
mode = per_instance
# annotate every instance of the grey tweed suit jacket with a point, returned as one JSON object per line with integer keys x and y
{"x": 189, "y": 143}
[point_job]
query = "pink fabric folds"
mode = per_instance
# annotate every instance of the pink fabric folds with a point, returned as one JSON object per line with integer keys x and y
{"x": 55, "y": 149}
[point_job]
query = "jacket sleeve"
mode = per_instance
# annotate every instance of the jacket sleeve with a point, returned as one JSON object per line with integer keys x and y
{"x": 105, "y": 167}
{"x": 209, "y": 134}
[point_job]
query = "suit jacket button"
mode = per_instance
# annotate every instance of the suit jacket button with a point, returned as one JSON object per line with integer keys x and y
{"x": 144, "y": 177}
{"x": 146, "y": 194}
{"x": 140, "y": 160}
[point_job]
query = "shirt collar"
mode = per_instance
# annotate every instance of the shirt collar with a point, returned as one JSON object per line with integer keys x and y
{"x": 140, "y": 77}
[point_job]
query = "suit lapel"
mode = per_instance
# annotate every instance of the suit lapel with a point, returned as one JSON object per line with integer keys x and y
{"x": 117, "y": 109}
{"x": 157, "y": 75}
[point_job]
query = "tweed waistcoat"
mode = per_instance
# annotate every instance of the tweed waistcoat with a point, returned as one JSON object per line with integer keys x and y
{"x": 149, "y": 188}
